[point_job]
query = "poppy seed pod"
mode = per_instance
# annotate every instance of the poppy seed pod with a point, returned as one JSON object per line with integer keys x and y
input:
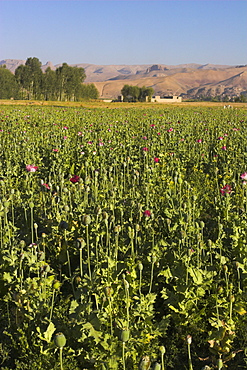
{"x": 125, "y": 334}
{"x": 86, "y": 220}
{"x": 66, "y": 208}
{"x": 189, "y": 339}
{"x": 162, "y": 350}
{"x": 105, "y": 215}
{"x": 145, "y": 363}
{"x": 80, "y": 243}
{"x": 60, "y": 340}
{"x": 156, "y": 366}
{"x": 140, "y": 266}
{"x": 108, "y": 291}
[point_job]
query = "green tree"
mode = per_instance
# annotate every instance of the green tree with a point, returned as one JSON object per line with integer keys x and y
{"x": 49, "y": 85}
{"x": 8, "y": 85}
{"x": 69, "y": 80}
{"x": 135, "y": 93}
{"x": 29, "y": 77}
{"x": 87, "y": 91}
{"x": 130, "y": 93}
{"x": 241, "y": 99}
{"x": 146, "y": 92}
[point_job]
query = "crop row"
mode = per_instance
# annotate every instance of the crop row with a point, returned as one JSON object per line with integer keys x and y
{"x": 123, "y": 238}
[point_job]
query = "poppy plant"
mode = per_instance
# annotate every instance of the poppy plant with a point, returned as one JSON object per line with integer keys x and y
{"x": 31, "y": 168}
{"x": 75, "y": 179}
{"x": 244, "y": 176}
{"x": 226, "y": 190}
{"x": 147, "y": 213}
{"x": 46, "y": 186}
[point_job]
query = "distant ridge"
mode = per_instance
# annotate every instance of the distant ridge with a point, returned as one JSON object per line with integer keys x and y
{"x": 189, "y": 80}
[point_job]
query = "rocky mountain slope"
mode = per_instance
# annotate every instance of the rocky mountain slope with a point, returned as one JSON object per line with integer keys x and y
{"x": 189, "y": 80}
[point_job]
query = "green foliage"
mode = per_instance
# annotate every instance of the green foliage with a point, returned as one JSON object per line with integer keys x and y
{"x": 8, "y": 85}
{"x": 135, "y": 93}
{"x": 64, "y": 84}
{"x": 121, "y": 238}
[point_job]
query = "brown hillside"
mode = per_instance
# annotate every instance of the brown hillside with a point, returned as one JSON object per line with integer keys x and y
{"x": 179, "y": 83}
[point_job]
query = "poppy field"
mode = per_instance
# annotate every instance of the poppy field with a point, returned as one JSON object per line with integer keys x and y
{"x": 123, "y": 238}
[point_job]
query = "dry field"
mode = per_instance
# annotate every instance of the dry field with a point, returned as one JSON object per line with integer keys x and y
{"x": 101, "y": 104}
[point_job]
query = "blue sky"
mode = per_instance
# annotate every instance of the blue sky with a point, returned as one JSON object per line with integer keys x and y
{"x": 125, "y": 32}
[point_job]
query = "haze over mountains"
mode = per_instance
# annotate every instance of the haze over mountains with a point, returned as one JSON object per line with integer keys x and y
{"x": 188, "y": 80}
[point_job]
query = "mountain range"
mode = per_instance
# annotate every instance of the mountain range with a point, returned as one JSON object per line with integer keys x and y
{"x": 187, "y": 80}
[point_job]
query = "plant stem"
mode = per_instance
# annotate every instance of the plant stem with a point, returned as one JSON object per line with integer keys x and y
{"x": 61, "y": 357}
{"x": 189, "y": 356}
{"x": 152, "y": 276}
{"x": 88, "y": 254}
{"x": 81, "y": 270}
{"x": 52, "y": 304}
{"x": 123, "y": 355}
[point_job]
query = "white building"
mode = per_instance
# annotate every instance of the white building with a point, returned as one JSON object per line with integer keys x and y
{"x": 166, "y": 99}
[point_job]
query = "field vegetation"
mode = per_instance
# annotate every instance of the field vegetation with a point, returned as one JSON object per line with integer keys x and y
{"x": 123, "y": 233}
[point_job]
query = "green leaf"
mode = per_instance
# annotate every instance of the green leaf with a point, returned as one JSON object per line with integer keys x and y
{"x": 7, "y": 277}
{"x": 49, "y": 332}
{"x": 166, "y": 273}
{"x": 196, "y": 275}
{"x": 92, "y": 332}
{"x": 47, "y": 335}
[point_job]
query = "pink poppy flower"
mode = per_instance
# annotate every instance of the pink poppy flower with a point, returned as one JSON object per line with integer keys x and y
{"x": 158, "y": 133}
{"x": 220, "y": 138}
{"x": 75, "y": 179}
{"x": 65, "y": 137}
{"x": 144, "y": 137}
{"x": 55, "y": 150}
{"x": 31, "y": 168}
{"x": 156, "y": 160}
{"x": 199, "y": 140}
{"x": 46, "y": 186}
{"x": 226, "y": 190}
{"x": 244, "y": 176}
{"x": 170, "y": 129}
{"x": 145, "y": 149}
{"x": 224, "y": 147}
{"x": 147, "y": 213}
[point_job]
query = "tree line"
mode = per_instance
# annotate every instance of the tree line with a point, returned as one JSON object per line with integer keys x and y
{"x": 135, "y": 93}
{"x": 29, "y": 82}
